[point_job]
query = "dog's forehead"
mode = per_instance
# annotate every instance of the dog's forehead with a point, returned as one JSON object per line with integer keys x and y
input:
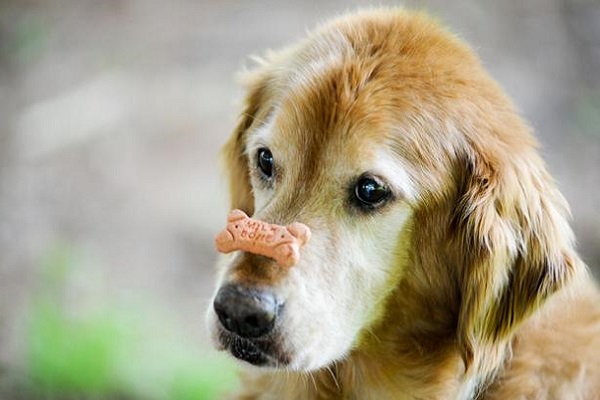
{"x": 323, "y": 113}
{"x": 347, "y": 97}
{"x": 293, "y": 142}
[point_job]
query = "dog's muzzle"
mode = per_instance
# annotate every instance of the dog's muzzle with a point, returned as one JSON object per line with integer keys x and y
{"x": 247, "y": 319}
{"x": 248, "y": 314}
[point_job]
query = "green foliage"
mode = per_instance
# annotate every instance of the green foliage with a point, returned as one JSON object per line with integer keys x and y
{"x": 113, "y": 353}
{"x": 587, "y": 112}
{"x": 28, "y": 39}
{"x": 73, "y": 356}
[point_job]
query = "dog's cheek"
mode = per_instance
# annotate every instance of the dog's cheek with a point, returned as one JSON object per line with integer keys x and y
{"x": 316, "y": 325}
{"x": 337, "y": 288}
{"x": 393, "y": 264}
{"x": 380, "y": 260}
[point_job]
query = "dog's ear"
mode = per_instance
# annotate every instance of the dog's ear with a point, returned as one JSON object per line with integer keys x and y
{"x": 234, "y": 152}
{"x": 514, "y": 250}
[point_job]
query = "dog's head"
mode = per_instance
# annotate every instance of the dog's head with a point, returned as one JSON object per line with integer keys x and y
{"x": 429, "y": 207}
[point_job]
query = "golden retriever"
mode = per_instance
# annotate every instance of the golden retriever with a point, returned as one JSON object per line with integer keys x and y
{"x": 441, "y": 263}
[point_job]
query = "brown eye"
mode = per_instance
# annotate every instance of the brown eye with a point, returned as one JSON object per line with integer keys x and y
{"x": 265, "y": 162}
{"x": 370, "y": 193}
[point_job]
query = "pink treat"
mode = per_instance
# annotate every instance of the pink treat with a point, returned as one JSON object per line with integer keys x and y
{"x": 281, "y": 243}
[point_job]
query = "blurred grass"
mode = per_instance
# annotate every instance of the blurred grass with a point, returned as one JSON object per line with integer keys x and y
{"x": 27, "y": 37}
{"x": 587, "y": 112}
{"x": 112, "y": 352}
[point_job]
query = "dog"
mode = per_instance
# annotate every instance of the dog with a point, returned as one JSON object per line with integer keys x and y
{"x": 441, "y": 263}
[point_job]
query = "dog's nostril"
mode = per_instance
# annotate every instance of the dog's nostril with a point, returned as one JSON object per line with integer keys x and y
{"x": 248, "y": 313}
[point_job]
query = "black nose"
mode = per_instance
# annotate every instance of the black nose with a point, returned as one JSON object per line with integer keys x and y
{"x": 250, "y": 313}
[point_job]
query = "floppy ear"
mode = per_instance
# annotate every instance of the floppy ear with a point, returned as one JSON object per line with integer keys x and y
{"x": 234, "y": 151}
{"x": 515, "y": 250}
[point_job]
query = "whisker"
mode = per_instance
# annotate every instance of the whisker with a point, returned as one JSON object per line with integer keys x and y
{"x": 334, "y": 377}
{"x": 312, "y": 378}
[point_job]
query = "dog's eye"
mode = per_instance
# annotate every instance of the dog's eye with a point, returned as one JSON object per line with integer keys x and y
{"x": 370, "y": 193}
{"x": 265, "y": 162}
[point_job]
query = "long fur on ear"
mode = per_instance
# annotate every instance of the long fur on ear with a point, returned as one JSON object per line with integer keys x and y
{"x": 234, "y": 151}
{"x": 511, "y": 224}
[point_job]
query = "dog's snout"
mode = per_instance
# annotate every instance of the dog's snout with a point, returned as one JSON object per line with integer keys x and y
{"x": 250, "y": 313}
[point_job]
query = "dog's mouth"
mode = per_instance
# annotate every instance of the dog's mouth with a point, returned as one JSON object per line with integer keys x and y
{"x": 261, "y": 352}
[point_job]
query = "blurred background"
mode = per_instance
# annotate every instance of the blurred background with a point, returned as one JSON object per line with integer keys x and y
{"x": 111, "y": 116}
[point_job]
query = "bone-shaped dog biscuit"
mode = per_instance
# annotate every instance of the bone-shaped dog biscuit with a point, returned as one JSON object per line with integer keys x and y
{"x": 281, "y": 243}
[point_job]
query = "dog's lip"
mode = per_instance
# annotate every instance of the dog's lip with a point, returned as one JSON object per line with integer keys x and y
{"x": 261, "y": 352}
{"x": 247, "y": 350}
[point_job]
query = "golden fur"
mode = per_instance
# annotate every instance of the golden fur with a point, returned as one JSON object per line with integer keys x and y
{"x": 486, "y": 296}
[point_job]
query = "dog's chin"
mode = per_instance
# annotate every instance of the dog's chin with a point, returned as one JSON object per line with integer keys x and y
{"x": 264, "y": 352}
